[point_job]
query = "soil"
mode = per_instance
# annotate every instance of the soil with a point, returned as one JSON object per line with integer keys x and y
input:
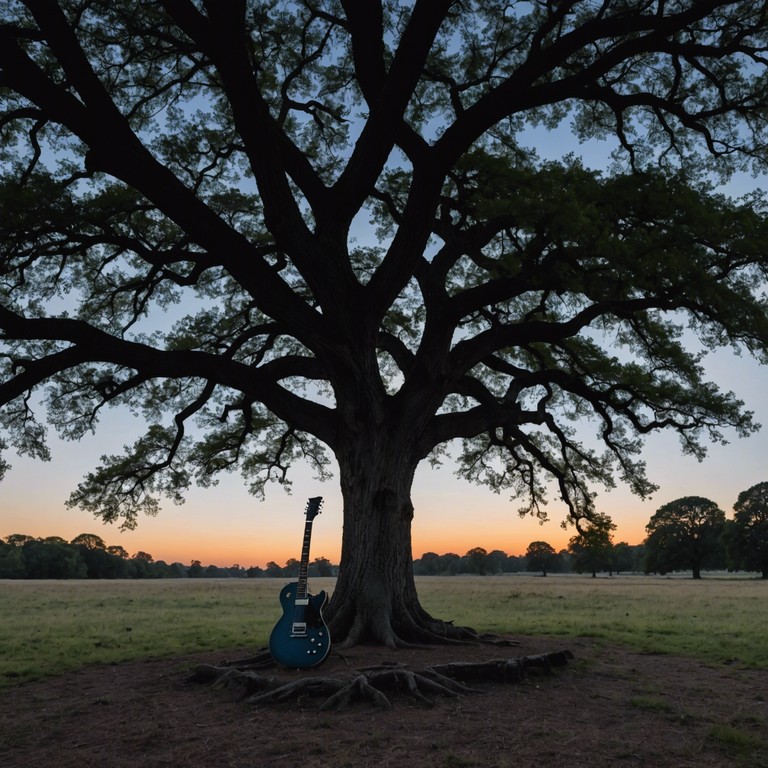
{"x": 608, "y": 707}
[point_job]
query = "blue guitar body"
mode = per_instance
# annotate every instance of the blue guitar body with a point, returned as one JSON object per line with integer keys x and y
{"x": 300, "y": 639}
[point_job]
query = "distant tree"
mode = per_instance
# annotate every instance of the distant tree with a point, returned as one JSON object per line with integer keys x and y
{"x": 160, "y": 569}
{"x": 497, "y": 561}
{"x": 516, "y": 563}
{"x": 427, "y": 564}
{"x": 143, "y": 556}
{"x": 323, "y": 565}
{"x": 141, "y": 568}
{"x": 628, "y": 557}
{"x": 476, "y": 560}
{"x": 195, "y": 570}
{"x": 118, "y": 551}
{"x": 254, "y": 572}
{"x": 539, "y": 556}
{"x": 178, "y": 571}
{"x": 449, "y": 564}
{"x": 19, "y": 539}
{"x": 55, "y": 540}
{"x": 291, "y": 569}
{"x": 592, "y": 547}
{"x": 100, "y": 564}
{"x": 90, "y": 541}
{"x": 53, "y": 561}
{"x": 685, "y": 534}
{"x": 12, "y": 564}
{"x": 564, "y": 562}
{"x": 273, "y": 569}
{"x": 747, "y": 537}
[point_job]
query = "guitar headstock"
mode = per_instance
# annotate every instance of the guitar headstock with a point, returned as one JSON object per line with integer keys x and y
{"x": 313, "y": 507}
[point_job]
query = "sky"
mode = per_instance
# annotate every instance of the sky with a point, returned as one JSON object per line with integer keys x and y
{"x": 224, "y": 525}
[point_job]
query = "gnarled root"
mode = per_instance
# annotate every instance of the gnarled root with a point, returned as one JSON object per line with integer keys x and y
{"x": 369, "y": 683}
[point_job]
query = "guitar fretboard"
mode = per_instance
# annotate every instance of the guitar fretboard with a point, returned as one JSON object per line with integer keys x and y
{"x": 301, "y": 592}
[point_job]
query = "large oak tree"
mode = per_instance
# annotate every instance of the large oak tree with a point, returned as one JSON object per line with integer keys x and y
{"x": 368, "y": 255}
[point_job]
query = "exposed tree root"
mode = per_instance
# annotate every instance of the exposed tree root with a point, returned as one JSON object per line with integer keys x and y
{"x": 369, "y": 683}
{"x": 407, "y": 631}
{"x": 503, "y": 670}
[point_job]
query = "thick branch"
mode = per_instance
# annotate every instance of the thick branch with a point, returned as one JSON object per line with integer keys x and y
{"x": 93, "y": 345}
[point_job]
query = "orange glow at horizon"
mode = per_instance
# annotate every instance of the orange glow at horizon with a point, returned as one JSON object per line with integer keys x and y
{"x": 224, "y": 525}
{"x": 174, "y": 536}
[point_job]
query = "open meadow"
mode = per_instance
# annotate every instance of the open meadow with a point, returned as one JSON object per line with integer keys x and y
{"x": 54, "y": 626}
{"x": 668, "y": 673}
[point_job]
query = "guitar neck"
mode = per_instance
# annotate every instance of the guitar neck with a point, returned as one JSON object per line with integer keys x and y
{"x": 301, "y": 592}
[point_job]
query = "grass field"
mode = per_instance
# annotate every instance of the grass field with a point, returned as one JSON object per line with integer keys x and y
{"x": 53, "y": 626}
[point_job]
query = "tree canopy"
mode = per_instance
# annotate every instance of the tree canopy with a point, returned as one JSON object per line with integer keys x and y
{"x": 685, "y": 533}
{"x": 747, "y": 534}
{"x": 342, "y": 205}
{"x": 592, "y": 546}
{"x": 539, "y": 556}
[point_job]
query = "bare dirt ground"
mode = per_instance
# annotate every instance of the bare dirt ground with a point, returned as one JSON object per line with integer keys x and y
{"x": 608, "y": 707}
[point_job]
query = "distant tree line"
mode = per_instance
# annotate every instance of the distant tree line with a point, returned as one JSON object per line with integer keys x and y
{"x": 540, "y": 557}
{"x": 87, "y": 556}
{"x": 688, "y": 534}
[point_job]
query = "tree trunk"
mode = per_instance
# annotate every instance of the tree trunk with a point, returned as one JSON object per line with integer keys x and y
{"x": 375, "y": 596}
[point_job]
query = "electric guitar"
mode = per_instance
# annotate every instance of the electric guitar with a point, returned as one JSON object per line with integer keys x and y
{"x": 300, "y": 638}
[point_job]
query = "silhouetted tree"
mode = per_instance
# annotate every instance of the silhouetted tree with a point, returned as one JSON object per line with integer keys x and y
{"x": 477, "y": 560}
{"x": 496, "y": 562}
{"x": 323, "y": 566}
{"x": 12, "y": 565}
{"x": 685, "y": 534}
{"x": 747, "y": 537}
{"x": 592, "y": 548}
{"x": 118, "y": 551}
{"x": 628, "y": 557}
{"x": 53, "y": 561}
{"x": 89, "y": 541}
{"x": 539, "y": 556}
{"x": 345, "y": 201}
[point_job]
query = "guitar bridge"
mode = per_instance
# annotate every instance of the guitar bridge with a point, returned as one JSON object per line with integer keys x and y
{"x": 299, "y": 629}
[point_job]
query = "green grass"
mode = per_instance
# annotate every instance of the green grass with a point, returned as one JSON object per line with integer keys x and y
{"x": 51, "y": 626}
{"x": 48, "y": 627}
{"x": 716, "y": 619}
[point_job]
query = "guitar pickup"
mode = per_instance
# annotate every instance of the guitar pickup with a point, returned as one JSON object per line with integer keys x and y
{"x": 299, "y": 629}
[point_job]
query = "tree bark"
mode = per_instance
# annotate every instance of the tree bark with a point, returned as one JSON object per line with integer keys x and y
{"x": 375, "y": 598}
